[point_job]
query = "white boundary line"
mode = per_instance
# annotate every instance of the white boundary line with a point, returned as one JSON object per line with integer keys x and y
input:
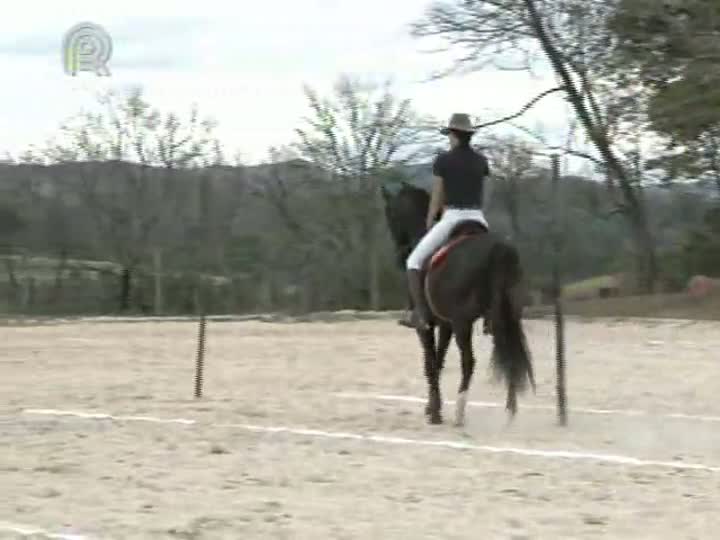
{"x": 385, "y": 439}
{"x": 495, "y": 405}
{"x": 27, "y": 530}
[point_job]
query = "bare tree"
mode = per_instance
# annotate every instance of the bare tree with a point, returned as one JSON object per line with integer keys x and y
{"x": 125, "y": 156}
{"x": 513, "y": 163}
{"x": 357, "y": 135}
{"x": 574, "y": 38}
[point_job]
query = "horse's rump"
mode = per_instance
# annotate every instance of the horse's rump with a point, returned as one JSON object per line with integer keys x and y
{"x": 459, "y": 286}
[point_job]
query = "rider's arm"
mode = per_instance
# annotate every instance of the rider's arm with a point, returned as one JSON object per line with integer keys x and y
{"x": 437, "y": 200}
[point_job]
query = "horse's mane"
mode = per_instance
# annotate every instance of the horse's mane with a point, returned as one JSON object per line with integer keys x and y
{"x": 414, "y": 200}
{"x": 406, "y": 211}
{"x": 420, "y": 196}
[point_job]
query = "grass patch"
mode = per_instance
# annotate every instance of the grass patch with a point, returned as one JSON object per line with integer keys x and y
{"x": 672, "y": 306}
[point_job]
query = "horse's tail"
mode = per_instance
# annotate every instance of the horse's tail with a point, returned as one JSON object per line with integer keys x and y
{"x": 511, "y": 358}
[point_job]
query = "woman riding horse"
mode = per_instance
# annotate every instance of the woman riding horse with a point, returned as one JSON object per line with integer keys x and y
{"x": 459, "y": 176}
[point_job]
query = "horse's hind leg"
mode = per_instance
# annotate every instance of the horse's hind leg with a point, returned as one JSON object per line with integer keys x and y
{"x": 444, "y": 336}
{"x": 463, "y": 338}
{"x": 433, "y": 409}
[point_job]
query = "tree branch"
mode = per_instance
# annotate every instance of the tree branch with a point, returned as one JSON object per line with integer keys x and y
{"x": 523, "y": 110}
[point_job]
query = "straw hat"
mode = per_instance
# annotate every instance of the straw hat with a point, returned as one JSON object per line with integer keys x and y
{"x": 459, "y": 122}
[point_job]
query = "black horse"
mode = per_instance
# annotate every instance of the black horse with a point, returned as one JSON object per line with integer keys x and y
{"x": 476, "y": 274}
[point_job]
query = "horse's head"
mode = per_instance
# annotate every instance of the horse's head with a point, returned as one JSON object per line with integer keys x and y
{"x": 406, "y": 210}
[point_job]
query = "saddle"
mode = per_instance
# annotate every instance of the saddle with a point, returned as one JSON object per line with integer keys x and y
{"x": 462, "y": 231}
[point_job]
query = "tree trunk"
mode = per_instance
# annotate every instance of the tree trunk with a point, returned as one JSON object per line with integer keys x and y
{"x": 514, "y": 221}
{"x": 158, "y": 303}
{"x": 307, "y": 297}
{"x": 634, "y": 210}
{"x": 374, "y": 277}
{"x": 32, "y": 292}
{"x": 230, "y": 296}
{"x": 265, "y": 292}
{"x": 125, "y": 289}
{"x": 647, "y": 272}
{"x": 57, "y": 293}
{"x": 513, "y": 210}
{"x": 25, "y": 294}
{"x": 376, "y": 229}
{"x": 12, "y": 281}
{"x": 198, "y": 299}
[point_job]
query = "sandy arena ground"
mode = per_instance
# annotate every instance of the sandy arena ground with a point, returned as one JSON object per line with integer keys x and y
{"x": 90, "y": 478}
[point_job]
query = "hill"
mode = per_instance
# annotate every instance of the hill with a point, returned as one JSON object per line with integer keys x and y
{"x": 286, "y": 235}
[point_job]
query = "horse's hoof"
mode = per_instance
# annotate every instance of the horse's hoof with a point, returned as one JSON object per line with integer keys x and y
{"x": 435, "y": 419}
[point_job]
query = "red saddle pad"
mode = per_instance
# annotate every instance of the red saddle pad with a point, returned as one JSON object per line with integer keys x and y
{"x": 441, "y": 254}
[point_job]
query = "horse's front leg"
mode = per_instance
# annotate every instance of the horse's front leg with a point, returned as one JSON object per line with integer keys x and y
{"x": 511, "y": 404}
{"x": 433, "y": 409}
{"x": 463, "y": 338}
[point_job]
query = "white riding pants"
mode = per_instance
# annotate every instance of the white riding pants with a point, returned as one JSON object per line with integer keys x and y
{"x": 439, "y": 234}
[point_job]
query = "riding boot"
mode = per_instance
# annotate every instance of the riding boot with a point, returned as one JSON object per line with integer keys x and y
{"x": 420, "y": 315}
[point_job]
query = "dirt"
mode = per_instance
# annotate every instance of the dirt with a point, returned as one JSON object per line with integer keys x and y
{"x": 123, "y": 479}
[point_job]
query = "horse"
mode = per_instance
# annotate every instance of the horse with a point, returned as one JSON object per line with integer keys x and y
{"x": 475, "y": 274}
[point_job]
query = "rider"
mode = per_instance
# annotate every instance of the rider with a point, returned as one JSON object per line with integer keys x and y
{"x": 458, "y": 179}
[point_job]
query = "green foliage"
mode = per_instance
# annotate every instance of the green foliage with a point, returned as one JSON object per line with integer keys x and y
{"x": 672, "y": 50}
{"x": 667, "y": 40}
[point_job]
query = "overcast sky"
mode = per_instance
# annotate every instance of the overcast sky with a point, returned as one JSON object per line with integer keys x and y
{"x": 243, "y": 63}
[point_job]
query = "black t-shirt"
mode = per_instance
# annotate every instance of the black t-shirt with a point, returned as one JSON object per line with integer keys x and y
{"x": 463, "y": 171}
